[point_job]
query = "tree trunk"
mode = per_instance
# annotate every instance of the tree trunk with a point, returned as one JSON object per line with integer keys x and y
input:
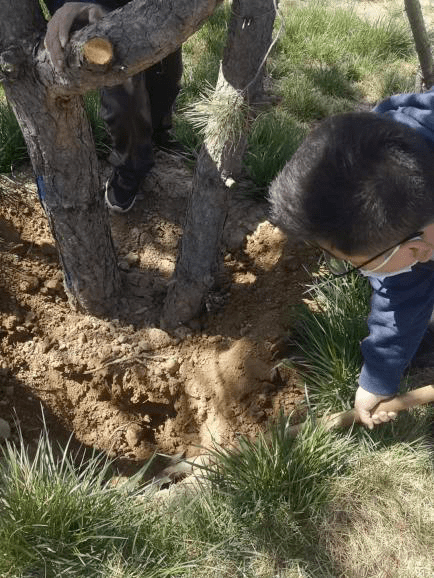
{"x": 421, "y": 40}
{"x": 50, "y": 111}
{"x": 198, "y": 263}
{"x": 249, "y": 39}
{"x": 64, "y": 160}
{"x": 240, "y": 84}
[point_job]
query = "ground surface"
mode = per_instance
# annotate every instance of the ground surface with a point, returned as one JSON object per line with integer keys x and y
{"x": 127, "y": 387}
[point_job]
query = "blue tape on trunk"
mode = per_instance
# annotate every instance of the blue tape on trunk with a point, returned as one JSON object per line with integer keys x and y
{"x": 42, "y": 191}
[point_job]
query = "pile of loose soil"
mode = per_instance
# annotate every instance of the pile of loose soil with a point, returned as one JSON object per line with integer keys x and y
{"x": 126, "y": 386}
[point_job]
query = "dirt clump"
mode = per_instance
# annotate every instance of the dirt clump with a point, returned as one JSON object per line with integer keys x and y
{"x": 125, "y": 386}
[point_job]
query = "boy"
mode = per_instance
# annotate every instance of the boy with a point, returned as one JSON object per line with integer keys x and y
{"x": 361, "y": 187}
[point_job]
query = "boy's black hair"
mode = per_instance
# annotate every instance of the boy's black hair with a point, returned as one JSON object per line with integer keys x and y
{"x": 360, "y": 182}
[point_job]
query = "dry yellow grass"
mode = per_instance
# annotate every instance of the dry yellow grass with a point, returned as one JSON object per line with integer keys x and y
{"x": 381, "y": 520}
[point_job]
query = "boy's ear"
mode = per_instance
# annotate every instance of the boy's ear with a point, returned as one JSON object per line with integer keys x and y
{"x": 419, "y": 250}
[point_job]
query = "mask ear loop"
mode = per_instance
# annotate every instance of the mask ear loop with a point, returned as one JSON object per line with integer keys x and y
{"x": 395, "y": 250}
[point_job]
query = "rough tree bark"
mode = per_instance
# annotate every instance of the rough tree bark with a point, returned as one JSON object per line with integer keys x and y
{"x": 421, "y": 41}
{"x": 49, "y": 109}
{"x": 199, "y": 263}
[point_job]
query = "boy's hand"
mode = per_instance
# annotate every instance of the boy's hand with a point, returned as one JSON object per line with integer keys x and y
{"x": 365, "y": 402}
{"x": 72, "y": 14}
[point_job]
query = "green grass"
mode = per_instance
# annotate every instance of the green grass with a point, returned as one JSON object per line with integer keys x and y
{"x": 281, "y": 469}
{"x": 272, "y": 131}
{"x": 327, "y": 330}
{"x": 321, "y": 504}
{"x": 58, "y": 518}
{"x": 380, "y": 520}
{"x": 330, "y": 59}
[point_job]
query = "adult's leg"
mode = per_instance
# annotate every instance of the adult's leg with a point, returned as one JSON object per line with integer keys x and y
{"x": 126, "y": 110}
{"x": 163, "y": 84}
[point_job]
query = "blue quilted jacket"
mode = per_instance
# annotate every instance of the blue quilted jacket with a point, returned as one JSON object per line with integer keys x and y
{"x": 402, "y": 305}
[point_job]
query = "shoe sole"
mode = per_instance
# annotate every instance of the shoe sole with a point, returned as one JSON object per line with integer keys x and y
{"x": 117, "y": 208}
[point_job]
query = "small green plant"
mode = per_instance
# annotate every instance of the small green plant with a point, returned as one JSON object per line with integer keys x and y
{"x": 271, "y": 490}
{"x": 44, "y": 9}
{"x": 328, "y": 329}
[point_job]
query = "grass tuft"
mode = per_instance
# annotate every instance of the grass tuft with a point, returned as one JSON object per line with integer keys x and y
{"x": 221, "y": 116}
{"x": 280, "y": 468}
{"x": 328, "y": 329}
{"x": 60, "y": 518}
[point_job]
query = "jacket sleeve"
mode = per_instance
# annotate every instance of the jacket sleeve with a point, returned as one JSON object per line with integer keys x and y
{"x": 401, "y": 308}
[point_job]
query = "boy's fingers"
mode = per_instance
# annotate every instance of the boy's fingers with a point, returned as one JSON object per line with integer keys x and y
{"x": 378, "y": 418}
{"x": 383, "y": 417}
{"x": 366, "y": 419}
{"x": 365, "y": 402}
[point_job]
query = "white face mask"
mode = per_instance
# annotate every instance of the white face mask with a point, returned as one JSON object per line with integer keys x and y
{"x": 390, "y": 274}
{"x": 372, "y": 273}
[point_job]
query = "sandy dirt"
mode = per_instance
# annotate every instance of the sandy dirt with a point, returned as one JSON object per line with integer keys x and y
{"x": 125, "y": 386}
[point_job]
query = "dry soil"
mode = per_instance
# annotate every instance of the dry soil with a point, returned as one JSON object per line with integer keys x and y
{"x": 125, "y": 386}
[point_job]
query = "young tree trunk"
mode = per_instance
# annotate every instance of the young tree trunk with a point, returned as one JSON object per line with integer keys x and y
{"x": 64, "y": 161}
{"x": 421, "y": 40}
{"x": 240, "y": 83}
{"x": 50, "y": 111}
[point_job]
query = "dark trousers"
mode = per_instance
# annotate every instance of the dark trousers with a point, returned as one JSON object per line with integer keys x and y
{"x": 137, "y": 111}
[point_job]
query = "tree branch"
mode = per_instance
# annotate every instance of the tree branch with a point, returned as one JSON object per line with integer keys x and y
{"x": 139, "y": 35}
